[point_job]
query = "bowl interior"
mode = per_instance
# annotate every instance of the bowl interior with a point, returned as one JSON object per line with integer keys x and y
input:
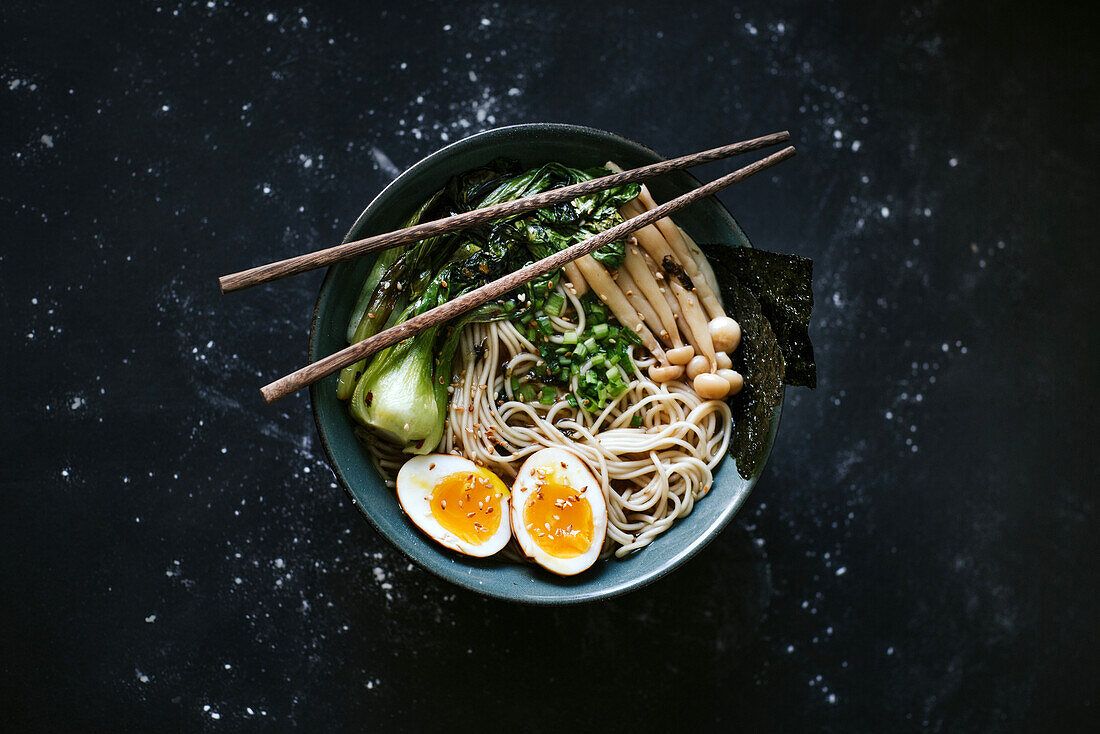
{"x": 706, "y": 221}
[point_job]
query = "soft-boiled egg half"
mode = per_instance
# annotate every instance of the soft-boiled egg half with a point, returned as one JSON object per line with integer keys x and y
{"x": 558, "y": 512}
{"x": 459, "y": 504}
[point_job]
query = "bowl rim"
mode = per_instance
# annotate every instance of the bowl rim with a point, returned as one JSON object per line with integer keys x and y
{"x": 704, "y": 538}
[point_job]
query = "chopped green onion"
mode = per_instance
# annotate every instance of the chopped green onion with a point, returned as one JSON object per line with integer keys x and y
{"x": 515, "y": 385}
{"x": 598, "y": 360}
{"x": 555, "y": 304}
{"x": 612, "y": 372}
{"x": 572, "y": 400}
{"x": 545, "y": 326}
{"x": 600, "y": 331}
{"x": 580, "y": 352}
{"x": 614, "y": 359}
{"x": 590, "y": 344}
{"x": 636, "y": 420}
{"x": 548, "y": 396}
{"x": 631, "y": 336}
{"x": 527, "y": 394}
{"x": 569, "y": 337}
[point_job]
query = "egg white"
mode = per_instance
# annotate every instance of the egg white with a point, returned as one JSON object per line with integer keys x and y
{"x": 415, "y": 483}
{"x": 571, "y": 471}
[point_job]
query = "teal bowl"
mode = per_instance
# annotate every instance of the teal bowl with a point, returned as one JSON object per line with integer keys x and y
{"x": 533, "y": 144}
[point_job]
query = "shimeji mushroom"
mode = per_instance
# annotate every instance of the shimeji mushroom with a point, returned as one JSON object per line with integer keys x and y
{"x": 608, "y": 291}
{"x": 640, "y": 302}
{"x": 679, "y": 246}
{"x": 642, "y": 274}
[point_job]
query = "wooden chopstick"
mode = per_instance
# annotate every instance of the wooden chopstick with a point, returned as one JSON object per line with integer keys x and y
{"x": 349, "y": 250}
{"x": 479, "y": 296}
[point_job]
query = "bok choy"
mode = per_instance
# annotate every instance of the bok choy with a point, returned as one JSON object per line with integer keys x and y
{"x": 401, "y": 394}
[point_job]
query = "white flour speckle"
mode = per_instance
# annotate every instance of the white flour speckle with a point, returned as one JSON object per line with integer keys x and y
{"x": 384, "y": 162}
{"x": 151, "y": 618}
{"x": 47, "y": 140}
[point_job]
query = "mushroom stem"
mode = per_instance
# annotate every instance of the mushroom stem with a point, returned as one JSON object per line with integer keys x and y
{"x": 638, "y": 301}
{"x": 671, "y": 233}
{"x": 608, "y": 292}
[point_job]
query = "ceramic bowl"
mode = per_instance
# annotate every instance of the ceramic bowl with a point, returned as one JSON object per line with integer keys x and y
{"x": 533, "y": 144}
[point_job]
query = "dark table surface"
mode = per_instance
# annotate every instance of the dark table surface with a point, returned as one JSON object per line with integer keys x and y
{"x": 920, "y": 553}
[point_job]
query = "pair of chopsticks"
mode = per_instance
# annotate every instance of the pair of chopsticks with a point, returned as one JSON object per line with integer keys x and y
{"x": 310, "y": 261}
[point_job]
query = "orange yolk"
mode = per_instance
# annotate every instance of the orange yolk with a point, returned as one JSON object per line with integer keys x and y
{"x": 467, "y": 505}
{"x": 559, "y": 518}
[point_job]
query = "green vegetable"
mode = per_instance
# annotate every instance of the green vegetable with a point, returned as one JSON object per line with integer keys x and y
{"x": 405, "y": 385}
{"x": 396, "y": 396}
{"x": 554, "y": 305}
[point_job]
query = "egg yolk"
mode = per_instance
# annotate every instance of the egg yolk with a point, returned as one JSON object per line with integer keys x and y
{"x": 558, "y": 518}
{"x": 467, "y": 505}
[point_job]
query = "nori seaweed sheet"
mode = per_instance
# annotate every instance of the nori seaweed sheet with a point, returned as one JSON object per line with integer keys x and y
{"x": 783, "y": 286}
{"x": 760, "y": 361}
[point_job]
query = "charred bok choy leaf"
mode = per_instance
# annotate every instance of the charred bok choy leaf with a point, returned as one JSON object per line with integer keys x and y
{"x": 401, "y": 395}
